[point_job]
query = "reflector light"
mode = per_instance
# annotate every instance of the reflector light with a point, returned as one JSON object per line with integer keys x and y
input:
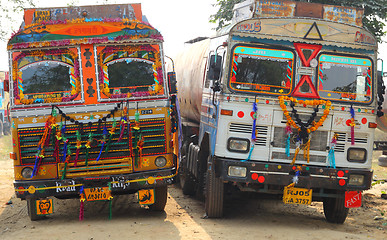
{"x": 372, "y": 125}
{"x": 226, "y": 112}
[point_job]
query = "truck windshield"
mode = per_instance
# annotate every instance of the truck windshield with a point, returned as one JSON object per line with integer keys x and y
{"x": 345, "y": 78}
{"x": 261, "y": 70}
{"x": 130, "y": 71}
{"x": 46, "y": 76}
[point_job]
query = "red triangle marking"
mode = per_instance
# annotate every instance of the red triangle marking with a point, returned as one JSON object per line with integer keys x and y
{"x": 297, "y": 93}
{"x": 300, "y": 46}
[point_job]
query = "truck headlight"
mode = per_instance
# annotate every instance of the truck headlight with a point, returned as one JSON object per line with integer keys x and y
{"x": 358, "y": 155}
{"x": 241, "y": 145}
{"x": 160, "y": 161}
{"x": 356, "y": 180}
{"x": 235, "y": 171}
{"x": 27, "y": 172}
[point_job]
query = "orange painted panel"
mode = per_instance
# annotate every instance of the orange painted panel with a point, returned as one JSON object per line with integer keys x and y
{"x": 89, "y": 75}
{"x": 87, "y": 30}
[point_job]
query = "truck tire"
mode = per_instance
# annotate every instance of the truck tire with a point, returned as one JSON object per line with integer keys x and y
{"x": 214, "y": 194}
{"x": 161, "y": 196}
{"x": 334, "y": 210}
{"x": 382, "y": 161}
{"x": 187, "y": 182}
{"x": 6, "y": 128}
{"x": 31, "y": 208}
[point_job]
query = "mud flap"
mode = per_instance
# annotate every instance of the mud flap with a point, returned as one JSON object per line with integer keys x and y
{"x": 146, "y": 196}
{"x": 352, "y": 199}
{"x": 44, "y": 207}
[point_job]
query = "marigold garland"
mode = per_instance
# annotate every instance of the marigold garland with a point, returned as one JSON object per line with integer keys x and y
{"x": 315, "y": 125}
{"x": 301, "y": 129}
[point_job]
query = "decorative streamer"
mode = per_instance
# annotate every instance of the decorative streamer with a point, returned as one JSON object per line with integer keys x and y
{"x": 288, "y": 131}
{"x": 105, "y": 132}
{"x": 253, "y": 131}
{"x": 88, "y": 146}
{"x": 331, "y": 153}
{"x": 352, "y": 124}
{"x": 78, "y": 146}
{"x": 123, "y": 122}
{"x": 111, "y": 133}
{"x": 82, "y": 200}
{"x": 110, "y": 202}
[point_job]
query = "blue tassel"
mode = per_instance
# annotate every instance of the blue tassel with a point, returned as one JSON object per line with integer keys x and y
{"x": 251, "y": 151}
{"x": 253, "y": 133}
{"x": 287, "y": 149}
{"x": 105, "y": 132}
{"x": 331, "y": 158}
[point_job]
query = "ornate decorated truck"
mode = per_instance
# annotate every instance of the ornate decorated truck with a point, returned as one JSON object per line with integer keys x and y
{"x": 282, "y": 101}
{"x": 92, "y": 112}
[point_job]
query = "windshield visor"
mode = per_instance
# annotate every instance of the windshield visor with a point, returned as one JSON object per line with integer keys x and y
{"x": 345, "y": 78}
{"x": 261, "y": 70}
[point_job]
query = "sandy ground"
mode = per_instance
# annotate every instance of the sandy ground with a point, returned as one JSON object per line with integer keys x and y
{"x": 245, "y": 218}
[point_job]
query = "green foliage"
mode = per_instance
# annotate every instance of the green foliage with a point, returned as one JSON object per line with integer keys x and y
{"x": 375, "y": 12}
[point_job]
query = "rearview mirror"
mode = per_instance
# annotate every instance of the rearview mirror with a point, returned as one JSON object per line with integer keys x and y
{"x": 214, "y": 67}
{"x": 172, "y": 82}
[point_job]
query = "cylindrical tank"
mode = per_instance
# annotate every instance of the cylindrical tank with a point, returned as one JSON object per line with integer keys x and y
{"x": 190, "y": 66}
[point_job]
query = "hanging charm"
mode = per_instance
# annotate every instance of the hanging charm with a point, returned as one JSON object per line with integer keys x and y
{"x": 82, "y": 200}
{"x": 331, "y": 154}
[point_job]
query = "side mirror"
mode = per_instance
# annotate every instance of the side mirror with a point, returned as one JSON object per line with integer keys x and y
{"x": 214, "y": 67}
{"x": 6, "y": 85}
{"x": 172, "y": 82}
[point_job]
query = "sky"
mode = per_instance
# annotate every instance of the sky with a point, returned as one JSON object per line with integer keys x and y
{"x": 177, "y": 20}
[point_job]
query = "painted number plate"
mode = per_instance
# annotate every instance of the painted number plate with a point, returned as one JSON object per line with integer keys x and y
{"x": 44, "y": 207}
{"x": 98, "y": 193}
{"x": 294, "y": 195}
{"x": 146, "y": 196}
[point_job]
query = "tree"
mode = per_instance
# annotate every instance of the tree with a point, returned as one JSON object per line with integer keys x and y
{"x": 375, "y": 12}
{"x": 11, "y": 12}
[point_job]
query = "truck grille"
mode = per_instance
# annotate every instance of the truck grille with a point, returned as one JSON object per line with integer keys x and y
{"x": 262, "y": 132}
{"x": 318, "y": 142}
{"x": 115, "y": 161}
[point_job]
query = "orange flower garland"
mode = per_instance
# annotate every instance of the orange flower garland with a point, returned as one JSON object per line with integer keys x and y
{"x": 315, "y": 125}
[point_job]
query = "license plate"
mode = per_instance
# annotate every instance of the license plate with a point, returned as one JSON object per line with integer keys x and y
{"x": 294, "y": 195}
{"x": 44, "y": 207}
{"x": 146, "y": 196}
{"x": 98, "y": 193}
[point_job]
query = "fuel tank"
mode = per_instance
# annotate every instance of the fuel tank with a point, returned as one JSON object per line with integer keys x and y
{"x": 190, "y": 67}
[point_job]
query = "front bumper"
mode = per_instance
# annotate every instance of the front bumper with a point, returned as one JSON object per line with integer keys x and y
{"x": 282, "y": 174}
{"x": 120, "y": 184}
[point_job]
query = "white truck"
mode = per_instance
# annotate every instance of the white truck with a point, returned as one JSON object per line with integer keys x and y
{"x": 282, "y": 101}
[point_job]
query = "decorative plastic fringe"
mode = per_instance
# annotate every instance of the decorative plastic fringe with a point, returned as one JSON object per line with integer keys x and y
{"x": 352, "y": 124}
{"x": 111, "y": 209}
{"x": 81, "y": 210}
{"x": 331, "y": 154}
{"x": 103, "y": 143}
{"x": 288, "y": 131}
{"x": 64, "y": 171}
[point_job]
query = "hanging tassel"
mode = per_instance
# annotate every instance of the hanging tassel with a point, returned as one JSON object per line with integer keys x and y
{"x": 82, "y": 207}
{"x": 298, "y": 146}
{"x": 88, "y": 146}
{"x": 307, "y": 150}
{"x": 78, "y": 146}
{"x": 105, "y": 132}
{"x": 253, "y": 131}
{"x": 68, "y": 158}
{"x": 288, "y": 131}
{"x": 352, "y": 124}
{"x": 331, "y": 154}
{"x": 110, "y": 202}
{"x": 111, "y": 133}
{"x": 123, "y": 123}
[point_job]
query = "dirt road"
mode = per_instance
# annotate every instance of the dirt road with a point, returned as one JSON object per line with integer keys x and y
{"x": 245, "y": 218}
